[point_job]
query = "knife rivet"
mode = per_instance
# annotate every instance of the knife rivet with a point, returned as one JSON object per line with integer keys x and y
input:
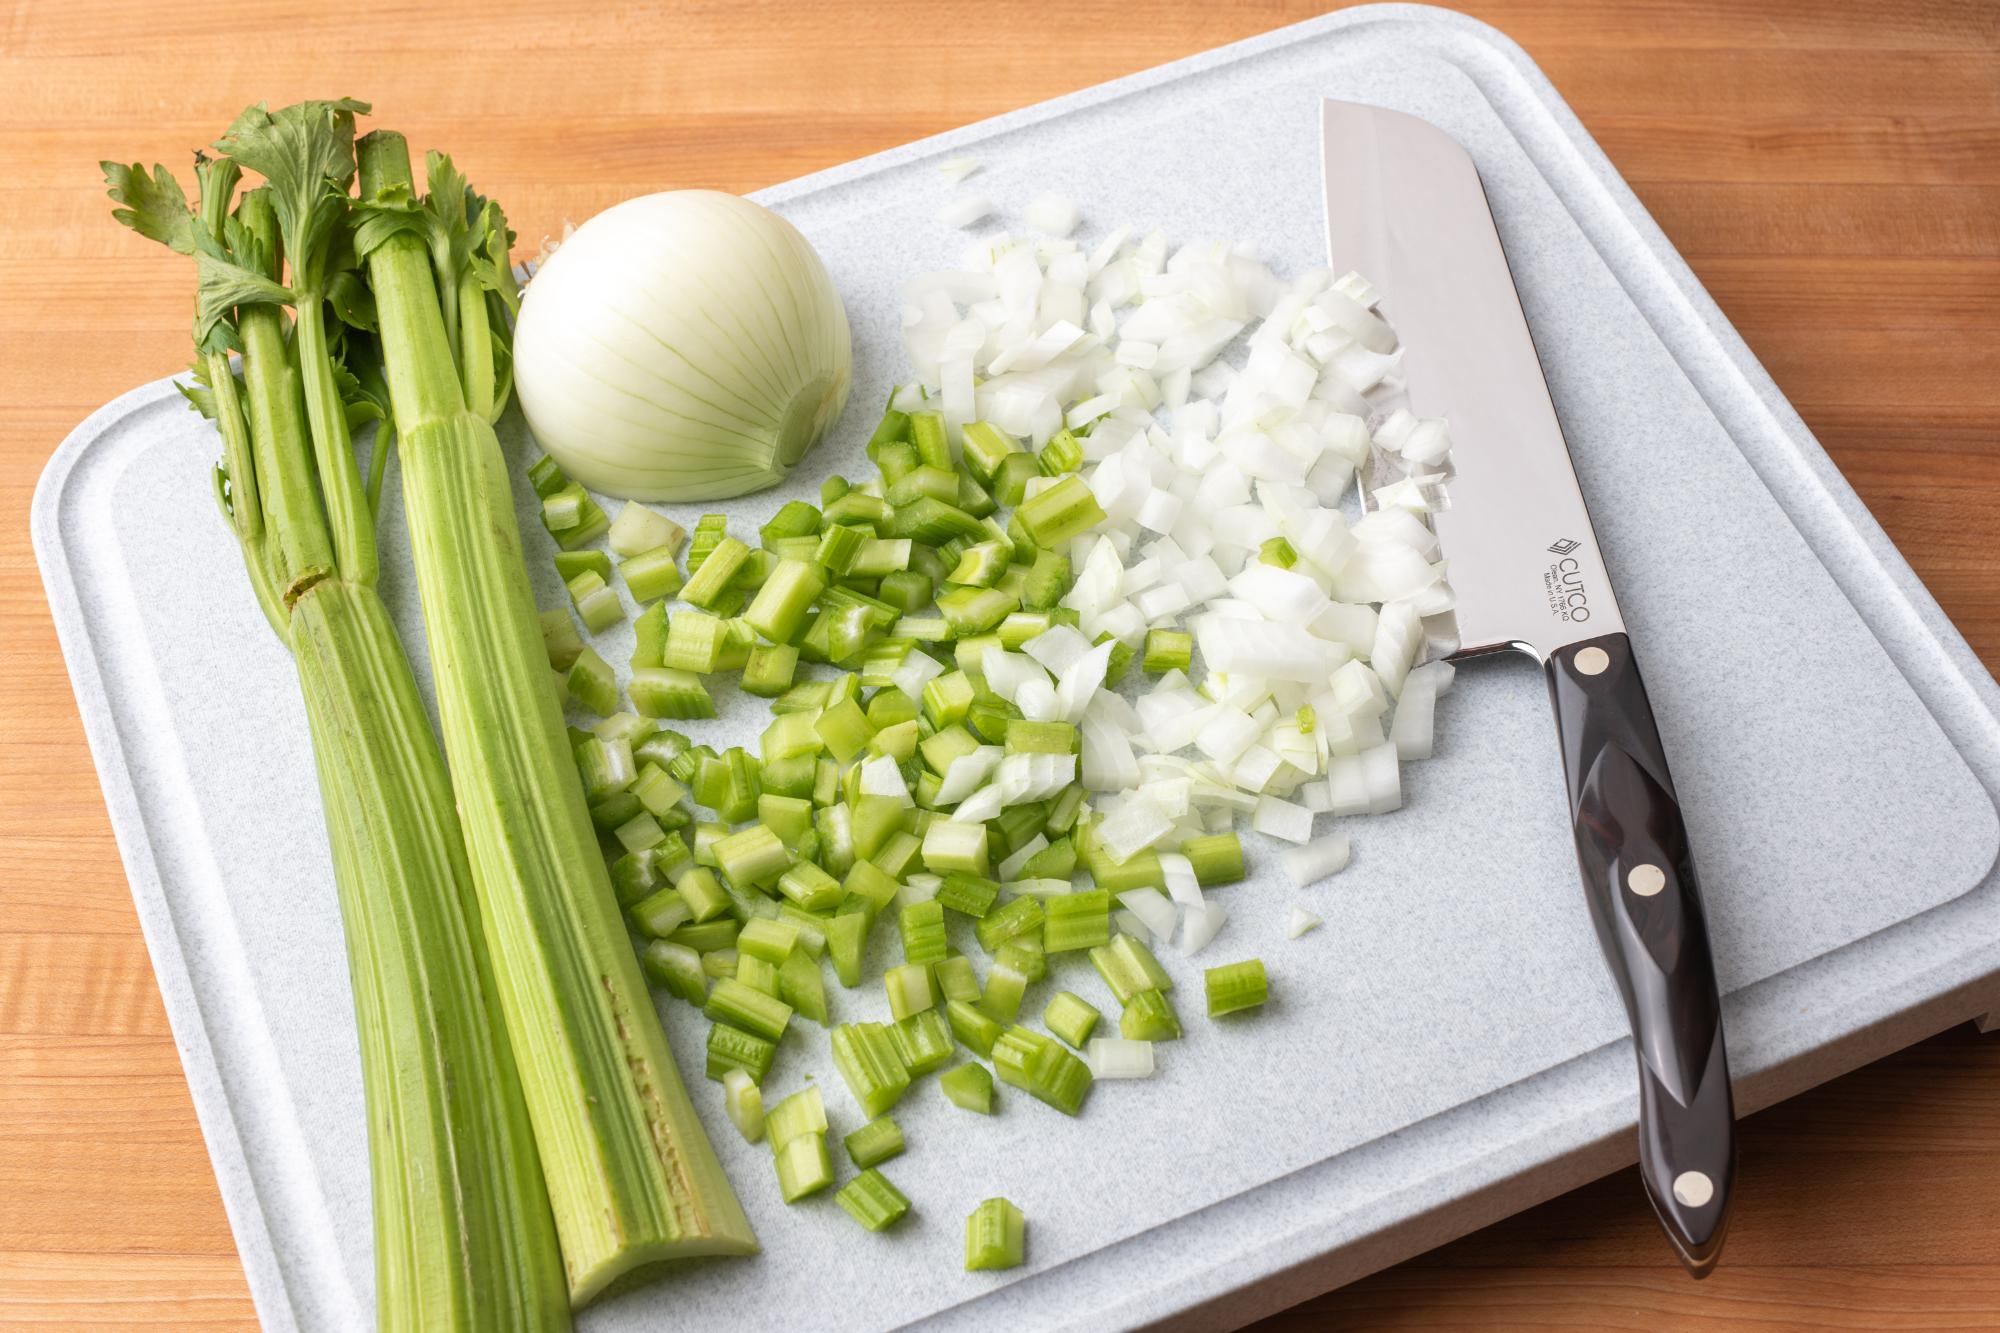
{"x": 1592, "y": 661}
{"x": 1693, "y": 1188}
{"x": 1646, "y": 880}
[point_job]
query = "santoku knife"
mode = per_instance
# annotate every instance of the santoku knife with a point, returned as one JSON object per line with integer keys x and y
{"x": 1405, "y": 207}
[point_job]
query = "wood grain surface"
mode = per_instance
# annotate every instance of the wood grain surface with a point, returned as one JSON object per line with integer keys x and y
{"x": 1830, "y": 170}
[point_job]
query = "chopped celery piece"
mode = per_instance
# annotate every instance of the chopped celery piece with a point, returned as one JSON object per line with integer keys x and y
{"x": 780, "y": 607}
{"x": 846, "y": 934}
{"x": 719, "y": 963}
{"x": 1024, "y": 954}
{"x": 909, "y": 989}
{"x": 560, "y": 638}
{"x": 872, "y": 1201}
{"x": 770, "y": 670}
{"x": 838, "y": 546}
{"x": 717, "y": 934}
{"x": 810, "y": 887}
{"x": 791, "y": 734}
{"x": 676, "y": 969}
{"x": 1029, "y": 737}
{"x": 1059, "y": 512}
{"x": 732, "y": 1048}
{"x": 1217, "y": 858}
{"x": 633, "y": 876}
{"x": 1055, "y": 861}
{"x": 596, "y": 602}
{"x": 955, "y": 978}
{"x": 923, "y": 1042}
{"x": 791, "y": 776}
{"x": 803, "y": 986}
{"x": 744, "y": 1101}
{"x": 946, "y": 744}
{"x": 1077, "y": 921}
{"x": 866, "y": 511}
{"x": 1070, "y": 1017}
{"x": 875, "y": 1142}
{"x": 1043, "y": 1067}
{"x": 1167, "y": 650}
{"x": 1128, "y": 967}
{"x": 1010, "y": 482}
{"x": 709, "y": 531}
{"x": 879, "y": 557}
{"x": 899, "y": 855}
{"x": 871, "y": 884}
{"x": 790, "y": 817}
{"x": 606, "y": 766}
{"x": 1001, "y": 998}
{"x": 592, "y": 683}
{"x": 931, "y": 521}
{"x": 546, "y": 476}
{"x": 866, "y": 1056}
{"x": 651, "y": 575}
{"x": 949, "y": 845}
{"x": 1235, "y": 986}
{"x": 795, "y": 518}
{"x": 1277, "y": 551}
{"x": 801, "y": 1114}
{"x": 1063, "y": 453}
{"x": 981, "y": 565}
{"x": 649, "y": 637}
{"x": 768, "y": 938}
{"x": 1149, "y": 1016}
{"x": 970, "y": 1086}
{"x": 803, "y": 1167}
{"x": 907, "y": 590}
{"x": 845, "y": 729}
{"x": 984, "y": 447}
{"x": 1019, "y": 917}
{"x": 669, "y": 693}
{"x": 927, "y": 433}
{"x": 1142, "y": 871}
{"x": 741, "y": 1006}
{"x": 702, "y": 892}
{"x": 922, "y": 928}
{"x": 976, "y": 610}
{"x": 562, "y": 509}
{"x": 640, "y": 833}
{"x": 996, "y": 1237}
{"x": 1120, "y": 662}
{"x": 972, "y": 1025}
{"x": 753, "y": 855}
{"x": 967, "y": 894}
{"x": 758, "y": 974}
{"x": 695, "y": 642}
{"x": 810, "y": 925}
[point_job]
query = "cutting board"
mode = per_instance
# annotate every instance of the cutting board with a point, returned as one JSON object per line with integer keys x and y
{"x": 1448, "y": 1049}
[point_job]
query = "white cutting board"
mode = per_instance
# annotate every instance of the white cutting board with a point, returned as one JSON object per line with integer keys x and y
{"x": 1447, "y": 1048}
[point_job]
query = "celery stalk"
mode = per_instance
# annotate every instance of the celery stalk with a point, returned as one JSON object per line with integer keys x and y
{"x": 463, "y": 1234}
{"x": 631, "y": 1176}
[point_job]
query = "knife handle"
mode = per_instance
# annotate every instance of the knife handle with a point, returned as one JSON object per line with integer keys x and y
{"x": 1632, "y": 848}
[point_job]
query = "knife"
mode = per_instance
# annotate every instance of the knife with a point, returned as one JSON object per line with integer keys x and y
{"x": 1405, "y": 207}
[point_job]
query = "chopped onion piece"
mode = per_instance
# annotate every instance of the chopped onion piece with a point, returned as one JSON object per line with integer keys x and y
{"x": 1199, "y": 925}
{"x": 1282, "y": 819}
{"x": 965, "y": 211}
{"x": 1118, "y": 1057}
{"x": 1300, "y": 921}
{"x": 1316, "y": 860}
{"x": 1153, "y": 908}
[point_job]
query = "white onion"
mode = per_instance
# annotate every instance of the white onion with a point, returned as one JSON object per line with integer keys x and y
{"x": 1119, "y": 1057}
{"x": 682, "y": 346}
{"x": 1300, "y": 921}
{"x": 1317, "y": 859}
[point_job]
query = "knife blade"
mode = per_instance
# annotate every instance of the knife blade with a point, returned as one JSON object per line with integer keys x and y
{"x": 1405, "y": 207}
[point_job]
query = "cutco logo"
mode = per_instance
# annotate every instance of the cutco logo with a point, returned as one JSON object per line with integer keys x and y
{"x": 1563, "y": 583}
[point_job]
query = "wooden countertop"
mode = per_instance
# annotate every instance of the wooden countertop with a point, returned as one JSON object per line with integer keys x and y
{"x": 1832, "y": 173}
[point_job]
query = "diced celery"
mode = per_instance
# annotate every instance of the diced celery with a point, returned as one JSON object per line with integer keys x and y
{"x": 732, "y": 1048}
{"x": 875, "y": 1142}
{"x": 996, "y": 1237}
{"x": 768, "y": 938}
{"x": 865, "y": 1054}
{"x": 846, "y": 934}
{"x": 1070, "y": 1017}
{"x": 745, "y": 1103}
{"x": 955, "y": 978}
{"x": 802, "y": 985}
{"x": 1167, "y": 650}
{"x": 1149, "y": 1016}
{"x": 676, "y": 969}
{"x": 1217, "y": 858}
{"x": 923, "y": 1042}
{"x": 1236, "y": 986}
{"x": 872, "y": 1201}
{"x": 1077, "y": 921}
{"x": 909, "y": 989}
{"x": 592, "y": 683}
{"x": 1059, "y": 512}
{"x": 559, "y": 636}
{"x": 754, "y": 1012}
{"x": 949, "y": 846}
{"x": 922, "y": 928}
{"x": 651, "y": 575}
{"x": 1019, "y": 917}
{"x": 972, "y": 1025}
{"x": 969, "y": 1086}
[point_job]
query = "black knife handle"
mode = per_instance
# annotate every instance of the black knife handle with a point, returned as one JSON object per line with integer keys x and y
{"x": 1632, "y": 848}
